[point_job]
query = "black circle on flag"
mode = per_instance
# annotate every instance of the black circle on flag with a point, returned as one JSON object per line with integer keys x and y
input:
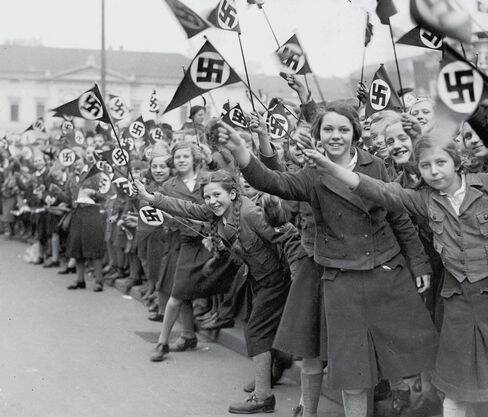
{"x": 379, "y": 94}
{"x": 151, "y": 216}
{"x": 209, "y": 70}
{"x": 137, "y": 129}
{"x": 90, "y": 106}
{"x": 292, "y": 56}
{"x": 460, "y": 87}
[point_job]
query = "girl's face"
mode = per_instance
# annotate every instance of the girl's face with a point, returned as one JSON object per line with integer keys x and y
{"x": 98, "y": 142}
{"x": 218, "y": 199}
{"x": 183, "y": 160}
{"x": 78, "y": 166}
{"x": 39, "y": 163}
{"x": 336, "y": 135}
{"x": 296, "y": 154}
{"x": 378, "y": 140}
{"x": 398, "y": 143}
{"x": 473, "y": 142}
{"x": 438, "y": 169}
{"x": 159, "y": 169}
{"x": 423, "y": 111}
{"x": 199, "y": 116}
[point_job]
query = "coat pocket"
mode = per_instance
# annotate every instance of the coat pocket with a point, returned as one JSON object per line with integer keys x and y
{"x": 436, "y": 222}
{"x": 483, "y": 222}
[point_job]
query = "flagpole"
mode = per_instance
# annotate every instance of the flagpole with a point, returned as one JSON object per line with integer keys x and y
{"x": 245, "y": 69}
{"x": 362, "y": 65}
{"x": 269, "y": 25}
{"x": 397, "y": 66}
{"x": 102, "y": 52}
{"x": 189, "y": 101}
{"x": 462, "y": 49}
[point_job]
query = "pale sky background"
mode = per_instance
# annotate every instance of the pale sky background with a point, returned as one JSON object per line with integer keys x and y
{"x": 331, "y": 31}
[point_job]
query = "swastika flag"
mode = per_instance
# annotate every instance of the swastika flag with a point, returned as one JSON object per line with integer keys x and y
{"x": 137, "y": 129}
{"x": 89, "y": 106}
{"x": 382, "y": 95}
{"x": 117, "y": 107}
{"x": 235, "y": 117}
{"x": 277, "y": 122}
{"x": 207, "y": 71}
{"x": 151, "y": 216}
{"x": 462, "y": 95}
{"x": 37, "y": 126}
{"x": 190, "y": 21}
{"x": 422, "y": 38}
{"x": 292, "y": 56}
{"x": 224, "y": 16}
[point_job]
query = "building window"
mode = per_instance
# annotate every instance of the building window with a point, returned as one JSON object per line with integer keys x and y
{"x": 40, "y": 109}
{"x": 14, "y": 112}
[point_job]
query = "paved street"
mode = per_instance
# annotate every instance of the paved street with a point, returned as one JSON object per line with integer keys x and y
{"x": 83, "y": 354}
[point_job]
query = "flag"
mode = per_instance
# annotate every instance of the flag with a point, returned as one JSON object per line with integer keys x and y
{"x": 190, "y": 21}
{"x": 462, "y": 90}
{"x": 207, "y": 71}
{"x": 117, "y": 107}
{"x": 445, "y": 17}
{"x": 382, "y": 95}
{"x": 235, "y": 117}
{"x": 137, "y": 129}
{"x": 153, "y": 106}
{"x": 422, "y": 38}
{"x": 224, "y": 16}
{"x": 74, "y": 137}
{"x": 385, "y": 9}
{"x": 368, "y": 31}
{"x": 116, "y": 157}
{"x": 37, "y": 126}
{"x": 293, "y": 58}
{"x": 89, "y": 106}
{"x": 277, "y": 122}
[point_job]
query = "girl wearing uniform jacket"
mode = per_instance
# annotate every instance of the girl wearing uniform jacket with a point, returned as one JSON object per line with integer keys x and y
{"x": 456, "y": 208}
{"x": 240, "y": 223}
{"x": 371, "y": 305}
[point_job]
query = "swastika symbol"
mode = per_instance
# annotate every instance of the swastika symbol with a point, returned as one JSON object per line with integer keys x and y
{"x": 151, "y": 215}
{"x": 118, "y": 107}
{"x": 237, "y": 117}
{"x": 90, "y": 106}
{"x": 66, "y": 126}
{"x": 378, "y": 94}
{"x": 291, "y": 55}
{"x": 227, "y": 14}
{"x": 429, "y": 39}
{"x": 210, "y": 70}
{"x": 153, "y": 103}
{"x": 157, "y": 134}
{"x": 137, "y": 129}
{"x": 120, "y": 157}
{"x": 463, "y": 83}
{"x": 39, "y": 125}
{"x": 66, "y": 157}
{"x": 276, "y": 126}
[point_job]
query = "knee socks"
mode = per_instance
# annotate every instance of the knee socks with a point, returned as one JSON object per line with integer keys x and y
{"x": 262, "y": 375}
{"x": 355, "y": 403}
{"x": 311, "y": 388}
{"x": 453, "y": 408}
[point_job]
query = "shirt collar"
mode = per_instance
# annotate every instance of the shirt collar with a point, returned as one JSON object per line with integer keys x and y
{"x": 460, "y": 190}
{"x": 354, "y": 160}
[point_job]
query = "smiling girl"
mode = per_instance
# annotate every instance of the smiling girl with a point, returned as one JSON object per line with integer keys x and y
{"x": 456, "y": 208}
{"x": 371, "y": 305}
{"x": 423, "y": 111}
{"x": 239, "y": 223}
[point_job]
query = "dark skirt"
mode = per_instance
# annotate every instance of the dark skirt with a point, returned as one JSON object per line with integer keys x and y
{"x": 268, "y": 301}
{"x": 41, "y": 227}
{"x": 378, "y": 327}
{"x": 52, "y": 221}
{"x": 163, "y": 251}
{"x": 303, "y": 331}
{"x": 461, "y": 370}
{"x": 189, "y": 281}
{"x": 86, "y": 233}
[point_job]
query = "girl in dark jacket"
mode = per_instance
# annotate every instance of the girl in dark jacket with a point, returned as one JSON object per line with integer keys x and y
{"x": 239, "y": 222}
{"x": 371, "y": 305}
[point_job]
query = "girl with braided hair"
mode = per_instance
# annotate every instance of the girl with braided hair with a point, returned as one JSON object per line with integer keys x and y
{"x": 237, "y": 223}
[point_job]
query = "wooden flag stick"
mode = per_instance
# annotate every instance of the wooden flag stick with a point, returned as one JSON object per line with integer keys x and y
{"x": 362, "y": 65}
{"x": 396, "y": 63}
{"x": 245, "y": 69}
{"x": 462, "y": 49}
{"x": 269, "y": 25}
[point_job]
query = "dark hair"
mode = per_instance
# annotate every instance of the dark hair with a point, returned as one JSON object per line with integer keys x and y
{"x": 342, "y": 108}
{"x": 425, "y": 143}
{"x": 229, "y": 183}
{"x": 194, "y": 110}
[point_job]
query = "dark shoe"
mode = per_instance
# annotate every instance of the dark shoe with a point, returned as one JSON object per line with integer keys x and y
{"x": 182, "y": 344}
{"x": 253, "y": 405}
{"x": 159, "y": 352}
{"x": 98, "y": 287}
{"x": 400, "y": 401}
{"x": 38, "y": 261}
{"x": 156, "y": 317}
{"x": 382, "y": 390}
{"x": 153, "y": 308}
{"x": 281, "y": 362}
{"x": 70, "y": 270}
{"x": 297, "y": 411}
{"x": 77, "y": 285}
{"x": 218, "y": 324}
{"x": 51, "y": 264}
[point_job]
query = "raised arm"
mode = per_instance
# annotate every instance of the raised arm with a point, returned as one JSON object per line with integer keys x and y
{"x": 289, "y": 186}
{"x": 175, "y": 206}
{"x": 390, "y": 195}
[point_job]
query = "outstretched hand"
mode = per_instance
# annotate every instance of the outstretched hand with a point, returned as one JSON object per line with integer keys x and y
{"x": 317, "y": 159}
{"x": 257, "y": 124}
{"x": 231, "y": 139}
{"x": 140, "y": 190}
{"x": 411, "y": 126}
{"x": 362, "y": 92}
{"x": 296, "y": 85}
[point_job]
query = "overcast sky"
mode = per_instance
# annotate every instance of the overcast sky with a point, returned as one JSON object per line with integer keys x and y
{"x": 331, "y": 31}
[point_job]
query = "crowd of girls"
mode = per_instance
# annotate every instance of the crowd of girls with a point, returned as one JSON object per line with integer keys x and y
{"x": 357, "y": 246}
